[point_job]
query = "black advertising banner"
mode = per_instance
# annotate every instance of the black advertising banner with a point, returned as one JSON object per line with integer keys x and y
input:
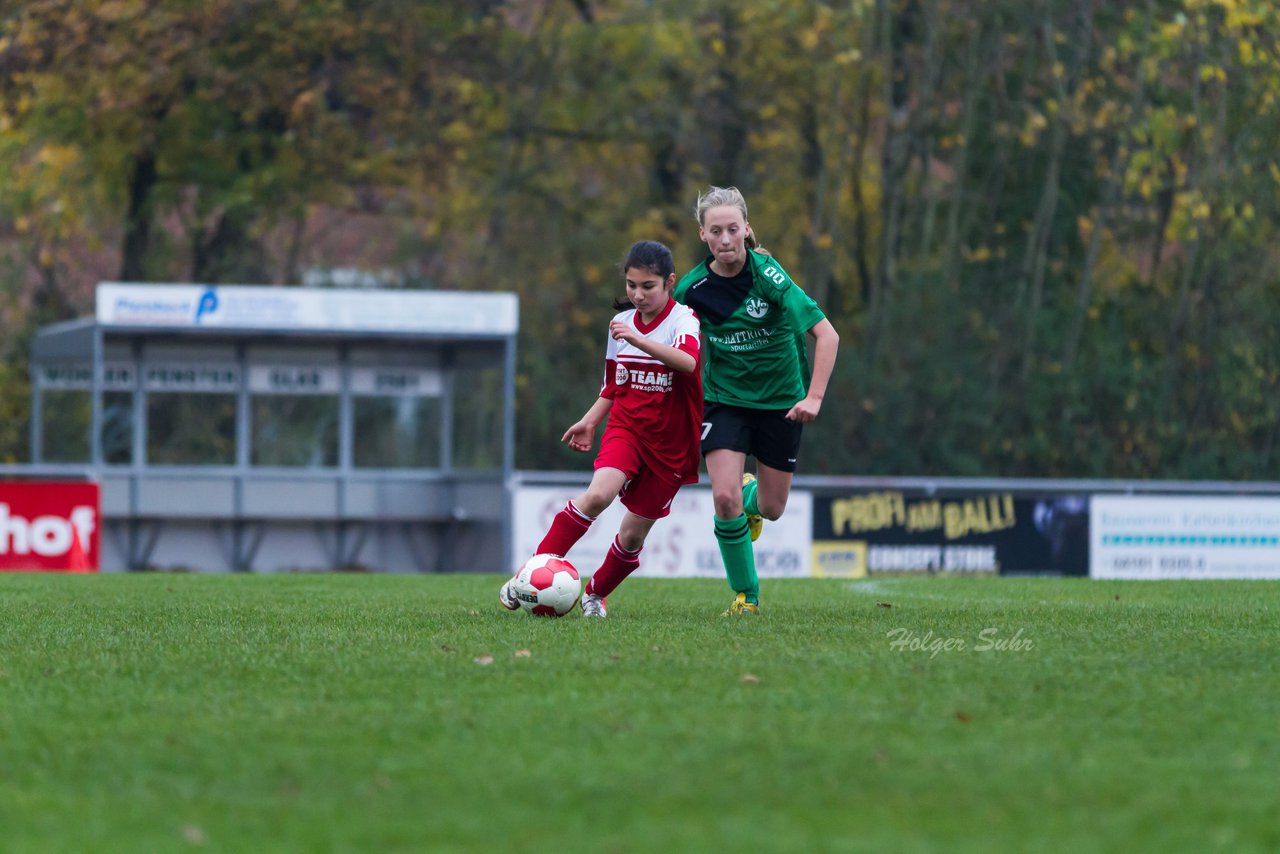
{"x": 892, "y": 532}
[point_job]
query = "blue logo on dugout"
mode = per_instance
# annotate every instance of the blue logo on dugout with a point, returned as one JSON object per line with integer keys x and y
{"x": 208, "y": 304}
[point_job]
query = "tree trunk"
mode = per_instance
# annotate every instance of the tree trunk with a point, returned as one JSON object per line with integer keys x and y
{"x": 138, "y": 218}
{"x": 954, "y": 238}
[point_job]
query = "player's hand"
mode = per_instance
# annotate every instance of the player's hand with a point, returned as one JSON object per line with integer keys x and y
{"x": 805, "y": 412}
{"x": 580, "y": 437}
{"x": 623, "y": 331}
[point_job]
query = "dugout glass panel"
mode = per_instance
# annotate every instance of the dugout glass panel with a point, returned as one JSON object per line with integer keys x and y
{"x": 191, "y": 429}
{"x": 117, "y": 427}
{"x": 397, "y": 432}
{"x": 295, "y": 430}
{"x": 64, "y": 426}
{"x": 478, "y": 419}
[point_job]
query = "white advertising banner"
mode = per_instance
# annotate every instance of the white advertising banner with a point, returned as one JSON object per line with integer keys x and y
{"x": 295, "y": 379}
{"x": 680, "y": 546}
{"x": 1184, "y": 537}
{"x": 192, "y": 376}
{"x": 116, "y": 376}
{"x": 397, "y": 382}
{"x": 256, "y": 307}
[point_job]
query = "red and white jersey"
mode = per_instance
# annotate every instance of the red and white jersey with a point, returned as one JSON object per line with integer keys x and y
{"x": 661, "y": 408}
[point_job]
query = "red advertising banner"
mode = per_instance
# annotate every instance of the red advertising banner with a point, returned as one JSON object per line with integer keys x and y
{"x": 49, "y": 526}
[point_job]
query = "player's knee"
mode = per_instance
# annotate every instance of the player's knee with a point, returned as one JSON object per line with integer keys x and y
{"x": 630, "y": 540}
{"x": 771, "y": 509}
{"x": 728, "y": 504}
{"x": 593, "y": 502}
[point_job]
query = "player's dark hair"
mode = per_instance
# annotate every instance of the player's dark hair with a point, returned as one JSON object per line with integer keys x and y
{"x": 646, "y": 255}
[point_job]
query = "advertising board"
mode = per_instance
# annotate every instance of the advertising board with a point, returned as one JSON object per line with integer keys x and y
{"x": 682, "y": 545}
{"x": 49, "y": 526}
{"x": 871, "y": 532}
{"x": 1137, "y": 536}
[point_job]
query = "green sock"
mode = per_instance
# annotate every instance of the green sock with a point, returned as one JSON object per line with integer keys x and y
{"x": 749, "y": 503}
{"x": 734, "y": 538}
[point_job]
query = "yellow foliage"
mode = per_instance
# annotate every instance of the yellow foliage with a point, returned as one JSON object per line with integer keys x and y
{"x": 56, "y": 157}
{"x": 1036, "y": 122}
{"x": 1211, "y": 73}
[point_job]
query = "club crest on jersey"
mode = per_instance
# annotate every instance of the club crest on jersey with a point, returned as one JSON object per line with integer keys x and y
{"x": 620, "y": 375}
{"x": 757, "y": 307}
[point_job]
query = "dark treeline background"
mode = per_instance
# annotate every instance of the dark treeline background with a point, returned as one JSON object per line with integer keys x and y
{"x": 1046, "y": 231}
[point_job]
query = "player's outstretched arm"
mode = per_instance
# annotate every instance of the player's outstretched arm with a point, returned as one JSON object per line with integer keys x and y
{"x": 581, "y": 436}
{"x": 826, "y": 343}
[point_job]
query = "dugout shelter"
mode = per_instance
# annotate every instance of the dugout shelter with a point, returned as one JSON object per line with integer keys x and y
{"x": 237, "y": 428}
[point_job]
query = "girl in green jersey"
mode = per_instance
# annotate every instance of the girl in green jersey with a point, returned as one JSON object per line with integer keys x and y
{"x": 758, "y": 387}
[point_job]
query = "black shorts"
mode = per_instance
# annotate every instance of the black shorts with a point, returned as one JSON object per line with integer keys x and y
{"x": 765, "y": 434}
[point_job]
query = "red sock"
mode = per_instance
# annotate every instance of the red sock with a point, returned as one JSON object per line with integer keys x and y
{"x": 618, "y": 564}
{"x": 569, "y": 526}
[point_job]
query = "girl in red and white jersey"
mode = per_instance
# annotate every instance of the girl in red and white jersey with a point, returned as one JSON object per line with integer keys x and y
{"x": 652, "y": 395}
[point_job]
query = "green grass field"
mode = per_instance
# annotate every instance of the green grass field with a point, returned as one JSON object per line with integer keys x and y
{"x": 163, "y": 712}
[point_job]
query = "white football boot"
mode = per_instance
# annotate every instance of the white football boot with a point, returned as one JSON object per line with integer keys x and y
{"x": 507, "y": 596}
{"x": 593, "y": 606}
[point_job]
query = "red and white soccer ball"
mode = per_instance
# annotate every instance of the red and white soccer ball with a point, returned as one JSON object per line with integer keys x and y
{"x": 547, "y": 586}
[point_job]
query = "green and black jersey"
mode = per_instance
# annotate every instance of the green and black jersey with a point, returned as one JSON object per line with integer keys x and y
{"x": 753, "y": 328}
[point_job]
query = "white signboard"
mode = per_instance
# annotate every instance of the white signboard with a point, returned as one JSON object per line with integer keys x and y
{"x": 119, "y": 376}
{"x": 193, "y": 376}
{"x": 326, "y": 309}
{"x": 680, "y": 546}
{"x": 116, "y": 376}
{"x": 397, "y": 382}
{"x": 1184, "y": 537}
{"x": 76, "y": 375}
{"x": 295, "y": 379}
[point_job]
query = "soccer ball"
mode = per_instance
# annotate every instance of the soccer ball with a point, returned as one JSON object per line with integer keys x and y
{"x": 547, "y": 586}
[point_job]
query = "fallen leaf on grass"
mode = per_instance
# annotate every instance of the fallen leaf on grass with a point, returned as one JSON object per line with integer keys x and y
{"x": 883, "y": 605}
{"x": 193, "y": 834}
{"x": 523, "y": 653}
{"x": 483, "y": 660}
{"x": 751, "y": 679}
{"x": 962, "y": 717}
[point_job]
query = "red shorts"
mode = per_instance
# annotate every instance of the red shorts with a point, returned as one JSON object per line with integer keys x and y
{"x": 644, "y": 494}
